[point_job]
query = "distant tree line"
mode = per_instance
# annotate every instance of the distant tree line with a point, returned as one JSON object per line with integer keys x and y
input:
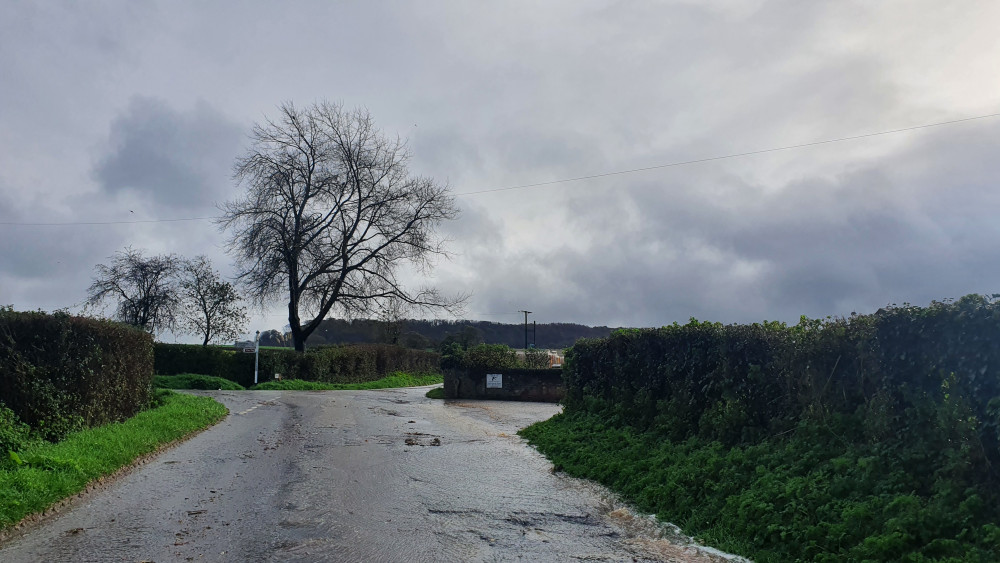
{"x": 438, "y": 333}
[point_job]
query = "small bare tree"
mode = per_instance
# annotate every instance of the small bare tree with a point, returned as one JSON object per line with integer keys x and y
{"x": 210, "y": 306}
{"x": 143, "y": 289}
{"x": 330, "y": 212}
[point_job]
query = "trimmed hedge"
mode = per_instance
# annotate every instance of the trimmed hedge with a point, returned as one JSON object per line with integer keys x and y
{"x": 60, "y": 373}
{"x": 737, "y": 383}
{"x": 870, "y": 438}
{"x": 333, "y": 364}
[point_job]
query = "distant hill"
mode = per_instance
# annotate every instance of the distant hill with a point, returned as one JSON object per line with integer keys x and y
{"x": 431, "y": 333}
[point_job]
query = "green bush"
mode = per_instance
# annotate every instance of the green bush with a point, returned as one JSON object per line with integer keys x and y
{"x": 496, "y": 356}
{"x": 14, "y": 434}
{"x": 60, "y": 373}
{"x": 536, "y": 359}
{"x": 195, "y": 381}
{"x": 452, "y": 356}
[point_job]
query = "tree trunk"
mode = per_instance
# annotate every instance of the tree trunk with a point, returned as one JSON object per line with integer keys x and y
{"x": 298, "y": 339}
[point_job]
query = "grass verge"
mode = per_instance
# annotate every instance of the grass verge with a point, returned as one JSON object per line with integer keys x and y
{"x": 44, "y": 473}
{"x": 436, "y": 393}
{"x": 195, "y": 381}
{"x": 398, "y": 379}
{"x": 806, "y": 497}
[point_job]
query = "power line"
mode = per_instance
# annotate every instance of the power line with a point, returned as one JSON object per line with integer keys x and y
{"x": 575, "y": 179}
{"x": 734, "y": 155}
{"x": 106, "y": 222}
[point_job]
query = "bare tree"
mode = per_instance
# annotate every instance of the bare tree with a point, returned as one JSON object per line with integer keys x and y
{"x": 330, "y": 212}
{"x": 210, "y": 306}
{"x": 143, "y": 289}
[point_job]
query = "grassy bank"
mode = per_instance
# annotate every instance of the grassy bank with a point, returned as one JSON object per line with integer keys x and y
{"x": 398, "y": 379}
{"x": 43, "y": 473}
{"x": 810, "y": 495}
{"x": 195, "y": 381}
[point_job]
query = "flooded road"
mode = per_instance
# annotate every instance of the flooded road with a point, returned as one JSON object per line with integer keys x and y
{"x": 351, "y": 476}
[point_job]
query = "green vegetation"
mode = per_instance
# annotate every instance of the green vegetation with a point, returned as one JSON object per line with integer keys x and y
{"x": 435, "y": 393}
{"x": 398, "y": 379}
{"x": 492, "y": 356}
{"x": 14, "y": 434}
{"x": 195, "y": 381}
{"x": 808, "y": 496}
{"x": 40, "y": 473}
{"x": 872, "y": 438}
{"x": 60, "y": 373}
{"x": 334, "y": 364}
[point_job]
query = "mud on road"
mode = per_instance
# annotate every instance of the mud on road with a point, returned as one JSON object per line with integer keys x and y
{"x": 353, "y": 476}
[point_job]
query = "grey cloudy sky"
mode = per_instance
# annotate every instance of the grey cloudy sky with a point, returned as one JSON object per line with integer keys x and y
{"x": 124, "y": 111}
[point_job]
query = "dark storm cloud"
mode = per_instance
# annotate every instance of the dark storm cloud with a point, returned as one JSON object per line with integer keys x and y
{"x": 819, "y": 246}
{"x": 495, "y": 95}
{"x": 182, "y": 159}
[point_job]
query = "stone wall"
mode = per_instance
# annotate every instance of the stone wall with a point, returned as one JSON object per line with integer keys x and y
{"x": 513, "y": 384}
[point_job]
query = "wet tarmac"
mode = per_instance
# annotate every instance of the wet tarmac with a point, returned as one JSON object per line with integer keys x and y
{"x": 352, "y": 476}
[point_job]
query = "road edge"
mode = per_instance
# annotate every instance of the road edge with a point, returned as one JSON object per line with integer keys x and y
{"x": 29, "y": 522}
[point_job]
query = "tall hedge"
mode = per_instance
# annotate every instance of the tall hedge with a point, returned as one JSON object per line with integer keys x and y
{"x": 738, "y": 383}
{"x": 332, "y": 364}
{"x": 59, "y": 373}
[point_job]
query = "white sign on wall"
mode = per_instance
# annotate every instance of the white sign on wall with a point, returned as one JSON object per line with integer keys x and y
{"x": 494, "y": 381}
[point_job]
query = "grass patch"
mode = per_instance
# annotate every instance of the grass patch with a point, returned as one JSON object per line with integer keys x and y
{"x": 398, "y": 379}
{"x": 436, "y": 393}
{"x": 195, "y": 381}
{"x": 43, "y": 473}
{"x": 807, "y": 496}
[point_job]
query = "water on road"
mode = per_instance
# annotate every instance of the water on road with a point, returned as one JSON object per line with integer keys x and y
{"x": 352, "y": 476}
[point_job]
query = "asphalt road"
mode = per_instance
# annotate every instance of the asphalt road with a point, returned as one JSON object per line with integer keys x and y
{"x": 351, "y": 476}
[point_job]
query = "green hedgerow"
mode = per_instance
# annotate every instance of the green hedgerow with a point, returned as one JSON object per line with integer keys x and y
{"x": 195, "y": 381}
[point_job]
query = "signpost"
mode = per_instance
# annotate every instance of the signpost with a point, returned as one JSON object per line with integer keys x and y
{"x": 494, "y": 381}
{"x": 256, "y": 356}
